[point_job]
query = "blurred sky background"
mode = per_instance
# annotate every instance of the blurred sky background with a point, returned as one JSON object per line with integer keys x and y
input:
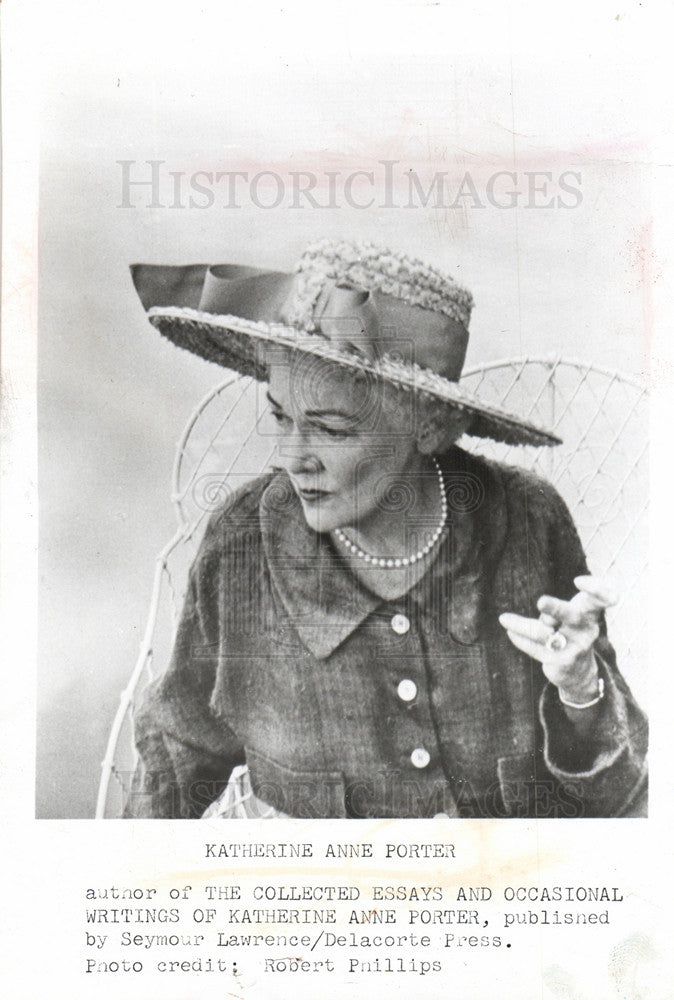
{"x": 215, "y": 91}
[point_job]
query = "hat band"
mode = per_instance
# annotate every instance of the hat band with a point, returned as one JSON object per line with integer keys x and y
{"x": 367, "y": 323}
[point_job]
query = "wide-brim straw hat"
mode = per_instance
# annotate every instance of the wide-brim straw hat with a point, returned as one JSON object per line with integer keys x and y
{"x": 355, "y": 304}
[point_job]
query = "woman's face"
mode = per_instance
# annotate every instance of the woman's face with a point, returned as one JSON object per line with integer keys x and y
{"x": 341, "y": 445}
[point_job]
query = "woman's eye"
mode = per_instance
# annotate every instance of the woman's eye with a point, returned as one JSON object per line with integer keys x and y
{"x": 283, "y": 420}
{"x": 334, "y": 432}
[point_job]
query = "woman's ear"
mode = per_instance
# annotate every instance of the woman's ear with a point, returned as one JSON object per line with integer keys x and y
{"x": 441, "y": 428}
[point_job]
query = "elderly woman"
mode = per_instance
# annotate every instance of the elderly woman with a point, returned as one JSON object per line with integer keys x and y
{"x": 384, "y": 625}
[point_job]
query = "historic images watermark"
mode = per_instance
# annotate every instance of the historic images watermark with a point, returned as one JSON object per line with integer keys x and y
{"x": 390, "y": 793}
{"x": 386, "y": 184}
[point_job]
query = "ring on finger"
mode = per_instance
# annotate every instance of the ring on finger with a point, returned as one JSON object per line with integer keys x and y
{"x": 556, "y": 641}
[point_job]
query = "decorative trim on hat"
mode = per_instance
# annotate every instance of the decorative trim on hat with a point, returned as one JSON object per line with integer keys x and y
{"x": 367, "y": 266}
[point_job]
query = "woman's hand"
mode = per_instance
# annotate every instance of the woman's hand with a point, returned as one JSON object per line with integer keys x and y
{"x": 573, "y": 668}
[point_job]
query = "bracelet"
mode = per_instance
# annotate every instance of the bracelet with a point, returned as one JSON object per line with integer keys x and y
{"x": 587, "y": 704}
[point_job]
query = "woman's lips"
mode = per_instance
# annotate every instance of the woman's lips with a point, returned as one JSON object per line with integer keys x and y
{"x": 313, "y": 495}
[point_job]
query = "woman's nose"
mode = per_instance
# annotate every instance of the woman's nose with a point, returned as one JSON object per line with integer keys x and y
{"x": 303, "y": 465}
{"x": 295, "y": 455}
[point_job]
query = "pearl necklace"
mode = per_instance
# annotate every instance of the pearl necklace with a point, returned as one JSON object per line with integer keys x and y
{"x": 397, "y": 563}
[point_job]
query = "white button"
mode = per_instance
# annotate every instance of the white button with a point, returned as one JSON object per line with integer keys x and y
{"x": 400, "y": 624}
{"x": 407, "y": 690}
{"x": 420, "y": 757}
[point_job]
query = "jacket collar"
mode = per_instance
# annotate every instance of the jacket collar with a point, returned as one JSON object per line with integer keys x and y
{"x": 324, "y": 602}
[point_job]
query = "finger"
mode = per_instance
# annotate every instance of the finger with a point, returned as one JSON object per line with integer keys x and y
{"x": 549, "y": 620}
{"x": 536, "y": 650}
{"x": 584, "y": 606}
{"x": 597, "y": 588}
{"x": 562, "y": 611}
{"x": 529, "y": 628}
{"x": 580, "y": 612}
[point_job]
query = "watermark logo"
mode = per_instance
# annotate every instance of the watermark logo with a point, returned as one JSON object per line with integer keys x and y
{"x": 386, "y": 184}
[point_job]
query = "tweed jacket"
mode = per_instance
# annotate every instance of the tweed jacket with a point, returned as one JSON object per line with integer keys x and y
{"x": 285, "y": 661}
